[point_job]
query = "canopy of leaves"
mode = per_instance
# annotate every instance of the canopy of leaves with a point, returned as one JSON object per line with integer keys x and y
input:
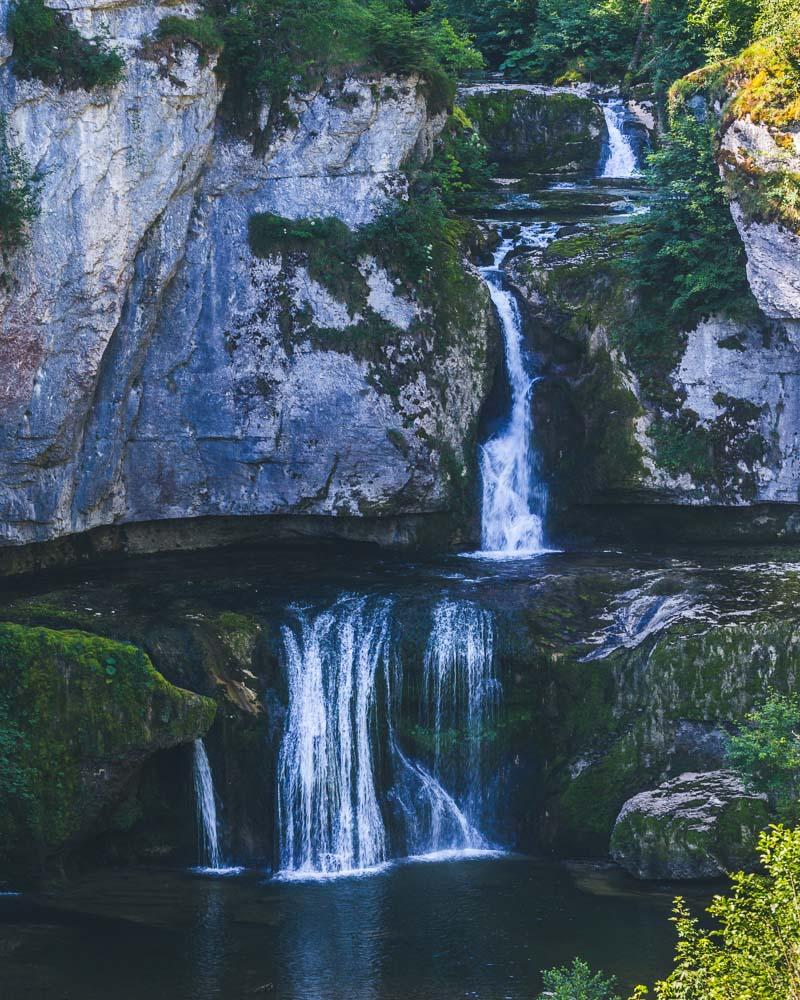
{"x": 47, "y": 47}
{"x": 753, "y": 950}
{"x": 767, "y": 752}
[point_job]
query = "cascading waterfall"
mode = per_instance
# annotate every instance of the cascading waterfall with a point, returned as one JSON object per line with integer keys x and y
{"x": 621, "y": 162}
{"x": 513, "y": 502}
{"x": 349, "y": 797}
{"x": 206, "y": 805}
{"x": 462, "y": 694}
{"x": 328, "y": 814}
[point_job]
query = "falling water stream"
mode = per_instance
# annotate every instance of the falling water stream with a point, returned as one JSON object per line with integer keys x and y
{"x": 621, "y": 161}
{"x": 350, "y": 797}
{"x": 206, "y": 805}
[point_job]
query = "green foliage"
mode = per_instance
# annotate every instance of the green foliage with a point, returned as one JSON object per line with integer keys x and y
{"x": 460, "y": 166}
{"x": 199, "y": 31}
{"x": 47, "y": 47}
{"x": 577, "y": 982}
{"x": 753, "y": 950}
{"x": 19, "y": 193}
{"x": 275, "y": 47}
{"x": 767, "y": 752}
{"x": 587, "y": 39}
{"x": 686, "y": 261}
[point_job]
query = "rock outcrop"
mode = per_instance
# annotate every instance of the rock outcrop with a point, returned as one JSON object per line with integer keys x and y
{"x": 79, "y": 716}
{"x": 529, "y": 128}
{"x": 150, "y": 368}
{"x": 692, "y": 827}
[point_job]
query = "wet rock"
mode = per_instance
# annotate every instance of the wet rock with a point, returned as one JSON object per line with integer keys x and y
{"x": 698, "y": 825}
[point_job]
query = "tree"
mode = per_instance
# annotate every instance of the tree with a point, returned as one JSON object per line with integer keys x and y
{"x": 767, "y": 752}
{"x": 753, "y": 951}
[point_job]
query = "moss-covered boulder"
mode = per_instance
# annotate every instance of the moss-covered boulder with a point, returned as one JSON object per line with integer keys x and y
{"x": 530, "y": 130}
{"x": 694, "y": 826}
{"x": 79, "y": 715}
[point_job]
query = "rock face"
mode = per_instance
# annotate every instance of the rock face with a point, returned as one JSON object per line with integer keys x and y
{"x": 694, "y": 826}
{"x": 79, "y": 716}
{"x": 146, "y": 368}
{"x": 733, "y": 390}
{"x": 530, "y": 128}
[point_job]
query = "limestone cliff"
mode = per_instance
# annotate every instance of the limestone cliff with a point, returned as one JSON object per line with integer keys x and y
{"x": 147, "y": 366}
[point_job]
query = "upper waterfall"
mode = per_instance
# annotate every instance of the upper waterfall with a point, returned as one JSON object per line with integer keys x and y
{"x": 621, "y": 162}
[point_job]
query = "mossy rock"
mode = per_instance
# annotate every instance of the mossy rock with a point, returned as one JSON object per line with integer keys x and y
{"x": 79, "y": 714}
{"x": 694, "y": 826}
{"x": 530, "y": 132}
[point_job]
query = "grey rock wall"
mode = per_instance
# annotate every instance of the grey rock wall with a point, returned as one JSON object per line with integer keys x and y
{"x": 145, "y": 368}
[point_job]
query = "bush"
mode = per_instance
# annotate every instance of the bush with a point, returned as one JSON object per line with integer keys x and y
{"x": 753, "y": 952}
{"x": 274, "y": 47}
{"x": 48, "y": 48}
{"x": 577, "y": 982}
{"x": 767, "y": 752}
{"x": 198, "y": 31}
{"x": 19, "y": 195}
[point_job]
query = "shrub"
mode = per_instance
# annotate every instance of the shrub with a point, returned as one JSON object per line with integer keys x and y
{"x": 199, "y": 31}
{"x": 686, "y": 261}
{"x": 767, "y": 752}
{"x": 753, "y": 951}
{"x": 577, "y": 982}
{"x": 47, "y": 47}
{"x": 19, "y": 201}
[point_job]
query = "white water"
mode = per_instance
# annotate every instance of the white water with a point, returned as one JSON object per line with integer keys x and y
{"x": 621, "y": 162}
{"x": 513, "y": 502}
{"x": 206, "y": 804}
{"x": 348, "y": 796}
{"x": 462, "y": 694}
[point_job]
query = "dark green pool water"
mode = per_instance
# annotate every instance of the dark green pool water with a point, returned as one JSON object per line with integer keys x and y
{"x": 480, "y": 928}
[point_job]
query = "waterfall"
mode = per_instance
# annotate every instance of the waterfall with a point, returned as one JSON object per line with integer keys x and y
{"x": 621, "y": 161}
{"x": 206, "y": 804}
{"x": 461, "y": 697}
{"x": 349, "y": 797}
{"x": 509, "y": 523}
{"x": 328, "y": 814}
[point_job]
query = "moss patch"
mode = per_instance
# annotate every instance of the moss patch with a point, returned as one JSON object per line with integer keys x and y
{"x": 87, "y": 711}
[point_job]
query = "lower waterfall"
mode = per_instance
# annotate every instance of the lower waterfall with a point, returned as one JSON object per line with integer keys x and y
{"x": 350, "y": 797}
{"x": 206, "y": 805}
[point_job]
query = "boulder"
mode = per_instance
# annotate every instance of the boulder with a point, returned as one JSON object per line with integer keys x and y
{"x": 698, "y": 825}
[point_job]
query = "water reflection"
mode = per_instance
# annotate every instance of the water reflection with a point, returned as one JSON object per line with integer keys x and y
{"x": 481, "y": 928}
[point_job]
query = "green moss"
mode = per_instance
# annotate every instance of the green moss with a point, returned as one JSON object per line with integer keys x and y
{"x": 48, "y": 48}
{"x": 85, "y": 705}
{"x": 535, "y": 132}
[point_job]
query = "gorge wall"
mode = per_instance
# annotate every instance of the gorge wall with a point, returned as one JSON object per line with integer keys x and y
{"x": 153, "y": 367}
